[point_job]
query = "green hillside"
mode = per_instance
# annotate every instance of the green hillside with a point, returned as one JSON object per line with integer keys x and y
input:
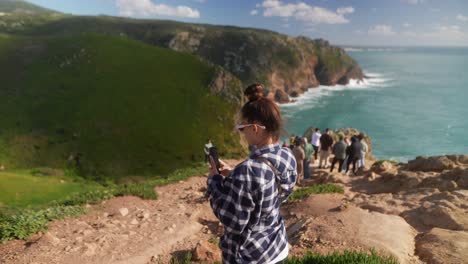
{"x": 286, "y": 65}
{"x": 107, "y": 106}
{"x": 20, "y": 6}
{"x": 18, "y": 15}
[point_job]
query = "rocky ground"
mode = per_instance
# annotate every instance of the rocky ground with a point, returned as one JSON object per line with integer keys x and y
{"x": 416, "y": 212}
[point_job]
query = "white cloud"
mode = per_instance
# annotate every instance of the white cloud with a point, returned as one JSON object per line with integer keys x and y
{"x": 146, "y": 8}
{"x": 345, "y": 10}
{"x": 254, "y": 12}
{"x": 407, "y": 25}
{"x": 462, "y": 18}
{"x": 381, "y": 30}
{"x": 307, "y": 13}
{"x": 453, "y": 30}
{"x": 413, "y": 2}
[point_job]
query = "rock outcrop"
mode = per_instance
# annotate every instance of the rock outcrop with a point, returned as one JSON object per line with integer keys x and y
{"x": 440, "y": 246}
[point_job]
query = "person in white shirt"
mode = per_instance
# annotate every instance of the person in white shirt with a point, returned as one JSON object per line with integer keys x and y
{"x": 316, "y": 142}
{"x": 365, "y": 149}
{"x": 206, "y": 149}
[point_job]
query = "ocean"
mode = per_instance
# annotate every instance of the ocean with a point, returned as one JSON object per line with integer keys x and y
{"x": 414, "y": 103}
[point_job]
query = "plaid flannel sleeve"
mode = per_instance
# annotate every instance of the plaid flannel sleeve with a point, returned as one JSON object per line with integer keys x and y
{"x": 287, "y": 182}
{"x": 231, "y": 201}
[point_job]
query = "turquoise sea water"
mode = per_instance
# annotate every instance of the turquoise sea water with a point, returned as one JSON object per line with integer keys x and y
{"x": 415, "y": 103}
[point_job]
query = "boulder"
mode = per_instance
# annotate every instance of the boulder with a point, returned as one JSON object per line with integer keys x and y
{"x": 438, "y": 211}
{"x": 440, "y": 246}
{"x": 383, "y": 167}
{"x": 281, "y": 97}
{"x": 437, "y": 163}
{"x": 205, "y": 251}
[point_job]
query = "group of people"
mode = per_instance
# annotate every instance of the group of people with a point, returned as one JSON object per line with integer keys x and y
{"x": 346, "y": 151}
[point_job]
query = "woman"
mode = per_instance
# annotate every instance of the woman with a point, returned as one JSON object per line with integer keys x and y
{"x": 247, "y": 201}
{"x": 299, "y": 155}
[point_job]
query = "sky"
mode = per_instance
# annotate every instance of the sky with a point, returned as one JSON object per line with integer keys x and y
{"x": 342, "y": 22}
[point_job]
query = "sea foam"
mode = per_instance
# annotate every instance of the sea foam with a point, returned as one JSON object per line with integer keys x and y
{"x": 311, "y": 97}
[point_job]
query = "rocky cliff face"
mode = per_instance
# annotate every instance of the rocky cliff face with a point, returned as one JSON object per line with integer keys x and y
{"x": 287, "y": 66}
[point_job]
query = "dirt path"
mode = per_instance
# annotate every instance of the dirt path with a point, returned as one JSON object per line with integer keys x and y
{"x": 124, "y": 230}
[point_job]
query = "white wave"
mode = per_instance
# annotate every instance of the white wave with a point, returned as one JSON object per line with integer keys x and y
{"x": 354, "y": 49}
{"x": 311, "y": 97}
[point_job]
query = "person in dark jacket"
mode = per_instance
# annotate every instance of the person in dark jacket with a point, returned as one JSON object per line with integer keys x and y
{"x": 339, "y": 150}
{"x": 326, "y": 142}
{"x": 354, "y": 154}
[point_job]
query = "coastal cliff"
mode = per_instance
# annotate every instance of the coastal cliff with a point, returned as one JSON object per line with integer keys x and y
{"x": 286, "y": 65}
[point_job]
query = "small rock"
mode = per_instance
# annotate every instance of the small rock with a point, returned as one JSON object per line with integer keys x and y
{"x": 146, "y": 215}
{"x": 123, "y": 211}
{"x": 86, "y": 232}
{"x": 134, "y": 222}
{"x": 51, "y": 239}
{"x": 90, "y": 249}
{"x": 427, "y": 204}
{"x": 448, "y": 185}
{"x": 205, "y": 251}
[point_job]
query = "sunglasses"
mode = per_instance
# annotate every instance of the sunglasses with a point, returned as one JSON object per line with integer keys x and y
{"x": 241, "y": 127}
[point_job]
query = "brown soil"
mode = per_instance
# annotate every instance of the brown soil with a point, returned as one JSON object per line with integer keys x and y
{"x": 367, "y": 216}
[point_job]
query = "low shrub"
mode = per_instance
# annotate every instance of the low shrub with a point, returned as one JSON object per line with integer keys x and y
{"x": 346, "y": 257}
{"x": 20, "y": 225}
{"x": 27, "y": 222}
{"x": 321, "y": 188}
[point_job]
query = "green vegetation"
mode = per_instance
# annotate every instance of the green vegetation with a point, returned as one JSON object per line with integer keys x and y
{"x": 347, "y": 257}
{"x": 314, "y": 189}
{"x": 103, "y": 105}
{"x": 17, "y": 15}
{"x": 27, "y": 222}
{"x": 20, "y": 6}
{"x": 24, "y": 189}
{"x": 214, "y": 240}
{"x": 20, "y": 224}
{"x": 186, "y": 260}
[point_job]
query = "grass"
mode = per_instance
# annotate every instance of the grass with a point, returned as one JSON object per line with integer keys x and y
{"x": 123, "y": 107}
{"x": 321, "y": 188}
{"x": 16, "y": 223}
{"x": 347, "y": 257}
{"x": 23, "y": 189}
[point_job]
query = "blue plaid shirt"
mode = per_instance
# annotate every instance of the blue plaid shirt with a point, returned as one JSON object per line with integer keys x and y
{"x": 247, "y": 204}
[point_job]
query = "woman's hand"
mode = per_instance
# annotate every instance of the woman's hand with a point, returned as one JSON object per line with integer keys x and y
{"x": 213, "y": 170}
{"x": 225, "y": 168}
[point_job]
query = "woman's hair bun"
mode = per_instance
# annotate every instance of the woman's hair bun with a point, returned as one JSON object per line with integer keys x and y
{"x": 254, "y": 92}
